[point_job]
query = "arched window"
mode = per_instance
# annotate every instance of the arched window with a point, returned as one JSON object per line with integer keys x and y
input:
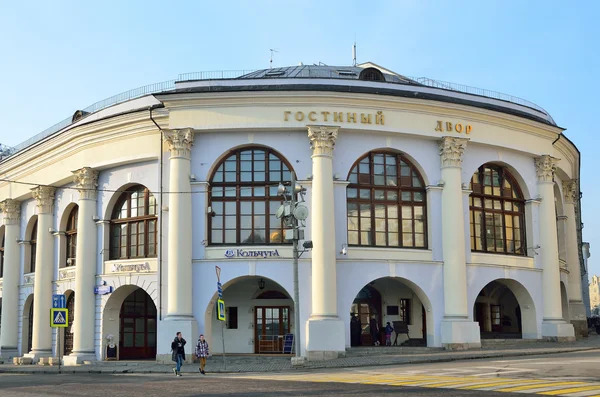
{"x": 33, "y": 246}
{"x": 497, "y": 212}
{"x": 243, "y": 197}
{"x": 386, "y": 203}
{"x": 71, "y": 234}
{"x": 371, "y": 74}
{"x": 133, "y": 225}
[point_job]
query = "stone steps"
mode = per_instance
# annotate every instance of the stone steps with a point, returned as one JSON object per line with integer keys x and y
{"x": 390, "y": 350}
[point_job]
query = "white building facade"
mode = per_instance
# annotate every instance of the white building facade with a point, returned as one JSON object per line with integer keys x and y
{"x": 450, "y": 215}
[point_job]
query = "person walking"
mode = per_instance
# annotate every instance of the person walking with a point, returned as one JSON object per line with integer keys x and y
{"x": 202, "y": 353}
{"x": 374, "y": 330}
{"x": 178, "y": 353}
{"x": 388, "y": 334}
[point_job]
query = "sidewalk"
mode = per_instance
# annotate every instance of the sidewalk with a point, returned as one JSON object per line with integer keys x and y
{"x": 356, "y": 357}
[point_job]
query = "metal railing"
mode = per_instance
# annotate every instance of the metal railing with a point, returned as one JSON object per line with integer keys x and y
{"x": 299, "y": 72}
{"x": 212, "y": 75}
{"x": 100, "y": 105}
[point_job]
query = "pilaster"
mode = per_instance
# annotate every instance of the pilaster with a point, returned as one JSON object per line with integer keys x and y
{"x": 458, "y": 331}
{"x": 10, "y": 283}
{"x": 553, "y": 326}
{"x": 179, "y": 259}
{"x": 325, "y": 332}
{"x": 44, "y": 257}
{"x": 577, "y": 312}
{"x": 86, "y": 182}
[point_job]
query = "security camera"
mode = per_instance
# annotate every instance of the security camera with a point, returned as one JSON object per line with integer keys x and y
{"x": 344, "y": 249}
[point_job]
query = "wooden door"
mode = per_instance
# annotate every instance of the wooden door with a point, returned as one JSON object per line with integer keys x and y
{"x": 68, "y": 335}
{"x": 271, "y": 325}
{"x": 138, "y": 327}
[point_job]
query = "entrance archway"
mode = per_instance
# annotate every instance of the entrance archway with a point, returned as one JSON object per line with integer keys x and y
{"x": 499, "y": 311}
{"x": 135, "y": 337}
{"x": 27, "y": 330}
{"x": 397, "y": 301}
{"x": 564, "y": 302}
{"x": 68, "y": 332}
{"x": 137, "y": 327}
{"x": 259, "y": 314}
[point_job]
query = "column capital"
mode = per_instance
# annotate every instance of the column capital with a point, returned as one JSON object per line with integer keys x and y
{"x": 86, "y": 182}
{"x": 570, "y": 191}
{"x": 545, "y": 166}
{"x": 451, "y": 151}
{"x": 180, "y": 142}
{"x": 12, "y": 211}
{"x": 45, "y": 198}
{"x": 322, "y": 139}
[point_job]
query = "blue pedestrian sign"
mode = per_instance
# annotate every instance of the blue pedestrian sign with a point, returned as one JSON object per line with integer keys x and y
{"x": 220, "y": 290}
{"x": 59, "y": 301}
{"x": 59, "y": 318}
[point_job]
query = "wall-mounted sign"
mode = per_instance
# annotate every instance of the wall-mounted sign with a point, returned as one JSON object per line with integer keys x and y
{"x": 240, "y": 253}
{"x": 442, "y": 126}
{"x": 134, "y": 268}
{"x": 103, "y": 289}
{"x": 335, "y": 117}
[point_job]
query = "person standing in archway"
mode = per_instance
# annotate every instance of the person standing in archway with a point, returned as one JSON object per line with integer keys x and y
{"x": 178, "y": 355}
{"x": 374, "y": 329}
{"x": 202, "y": 352}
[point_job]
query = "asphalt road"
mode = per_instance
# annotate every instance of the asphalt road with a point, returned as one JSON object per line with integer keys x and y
{"x": 150, "y": 385}
{"x": 575, "y": 373}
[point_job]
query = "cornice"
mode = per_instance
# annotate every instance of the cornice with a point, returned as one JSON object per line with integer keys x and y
{"x": 364, "y": 101}
{"x": 121, "y": 126}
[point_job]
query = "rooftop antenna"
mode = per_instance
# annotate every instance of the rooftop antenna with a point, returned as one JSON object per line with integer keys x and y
{"x": 354, "y": 54}
{"x": 271, "y": 61}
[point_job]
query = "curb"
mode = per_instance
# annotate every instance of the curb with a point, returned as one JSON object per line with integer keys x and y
{"x": 76, "y": 370}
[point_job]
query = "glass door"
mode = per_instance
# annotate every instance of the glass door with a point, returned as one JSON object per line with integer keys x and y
{"x": 271, "y": 325}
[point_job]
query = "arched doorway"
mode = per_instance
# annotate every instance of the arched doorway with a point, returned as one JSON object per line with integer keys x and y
{"x": 259, "y": 313}
{"x": 68, "y": 332}
{"x": 27, "y": 330}
{"x": 505, "y": 310}
{"x": 564, "y": 302}
{"x": 366, "y": 305}
{"x": 137, "y": 327}
{"x": 394, "y": 300}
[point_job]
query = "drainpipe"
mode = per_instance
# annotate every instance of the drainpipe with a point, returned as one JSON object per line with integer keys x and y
{"x": 160, "y": 218}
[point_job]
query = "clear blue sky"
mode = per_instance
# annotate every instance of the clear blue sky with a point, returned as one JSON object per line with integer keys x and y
{"x": 56, "y": 57}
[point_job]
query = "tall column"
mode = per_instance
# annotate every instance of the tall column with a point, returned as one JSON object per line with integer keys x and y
{"x": 325, "y": 332}
{"x": 553, "y": 325}
{"x": 86, "y": 182}
{"x": 179, "y": 258}
{"x": 41, "y": 341}
{"x": 576, "y": 306}
{"x": 10, "y": 283}
{"x": 458, "y": 331}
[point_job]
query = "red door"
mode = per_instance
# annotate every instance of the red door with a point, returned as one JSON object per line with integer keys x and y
{"x": 138, "y": 327}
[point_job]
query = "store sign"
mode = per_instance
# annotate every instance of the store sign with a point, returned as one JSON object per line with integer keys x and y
{"x": 447, "y": 126}
{"x": 335, "y": 117}
{"x": 103, "y": 289}
{"x": 134, "y": 268}
{"x": 240, "y": 253}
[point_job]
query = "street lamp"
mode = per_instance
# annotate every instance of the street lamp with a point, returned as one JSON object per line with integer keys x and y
{"x": 294, "y": 214}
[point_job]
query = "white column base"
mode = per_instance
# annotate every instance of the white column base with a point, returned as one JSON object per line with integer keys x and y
{"x": 578, "y": 318}
{"x": 557, "y": 331}
{"x": 8, "y": 353}
{"x": 167, "y": 330}
{"x": 36, "y": 356}
{"x": 325, "y": 338}
{"x": 79, "y": 358}
{"x": 460, "y": 335}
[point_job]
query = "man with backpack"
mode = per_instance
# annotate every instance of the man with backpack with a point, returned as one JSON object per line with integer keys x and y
{"x": 178, "y": 353}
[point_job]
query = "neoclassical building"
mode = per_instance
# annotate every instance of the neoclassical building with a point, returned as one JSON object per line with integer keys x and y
{"x": 452, "y": 213}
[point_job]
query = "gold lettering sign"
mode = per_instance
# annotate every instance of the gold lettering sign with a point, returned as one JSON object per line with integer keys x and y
{"x": 442, "y": 126}
{"x": 338, "y": 117}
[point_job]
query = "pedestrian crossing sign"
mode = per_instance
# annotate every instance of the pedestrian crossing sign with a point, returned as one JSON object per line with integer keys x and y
{"x": 220, "y": 310}
{"x": 59, "y": 318}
